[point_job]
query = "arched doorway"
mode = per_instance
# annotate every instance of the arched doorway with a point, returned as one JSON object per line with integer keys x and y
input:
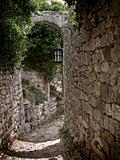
{"x": 59, "y": 21}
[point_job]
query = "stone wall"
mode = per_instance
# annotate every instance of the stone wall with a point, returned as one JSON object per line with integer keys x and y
{"x": 59, "y": 98}
{"x": 11, "y": 112}
{"x": 35, "y": 115}
{"x": 92, "y": 85}
{"x": 56, "y": 19}
{"x": 36, "y": 80}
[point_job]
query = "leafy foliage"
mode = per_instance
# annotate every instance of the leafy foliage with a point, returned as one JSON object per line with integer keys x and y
{"x": 53, "y": 6}
{"x": 76, "y": 21}
{"x": 14, "y": 16}
{"x": 16, "y": 8}
{"x": 42, "y": 43}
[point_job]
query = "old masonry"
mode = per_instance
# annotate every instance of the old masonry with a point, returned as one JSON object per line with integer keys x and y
{"x": 91, "y": 85}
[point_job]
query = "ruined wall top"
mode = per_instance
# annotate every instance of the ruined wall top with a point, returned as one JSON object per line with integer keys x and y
{"x": 58, "y": 19}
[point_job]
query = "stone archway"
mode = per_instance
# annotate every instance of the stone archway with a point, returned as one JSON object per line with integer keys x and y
{"x": 11, "y": 111}
{"x": 60, "y": 21}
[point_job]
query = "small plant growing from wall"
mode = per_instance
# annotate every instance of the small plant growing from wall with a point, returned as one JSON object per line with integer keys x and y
{"x": 32, "y": 94}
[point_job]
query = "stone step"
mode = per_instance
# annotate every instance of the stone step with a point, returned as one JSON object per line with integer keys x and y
{"x": 49, "y": 150}
{"x": 50, "y": 158}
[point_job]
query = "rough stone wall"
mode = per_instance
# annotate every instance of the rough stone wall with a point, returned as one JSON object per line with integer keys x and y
{"x": 35, "y": 115}
{"x": 92, "y": 84}
{"x": 58, "y": 19}
{"x": 59, "y": 98}
{"x": 11, "y": 109}
{"x": 36, "y": 80}
{"x": 11, "y": 113}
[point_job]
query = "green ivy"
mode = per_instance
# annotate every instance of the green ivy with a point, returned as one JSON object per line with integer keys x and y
{"x": 53, "y": 6}
{"x": 15, "y": 15}
{"x": 76, "y": 20}
{"x": 41, "y": 48}
{"x": 42, "y": 42}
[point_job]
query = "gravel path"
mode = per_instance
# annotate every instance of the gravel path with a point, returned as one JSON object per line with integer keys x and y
{"x": 47, "y": 132}
{"x": 41, "y": 144}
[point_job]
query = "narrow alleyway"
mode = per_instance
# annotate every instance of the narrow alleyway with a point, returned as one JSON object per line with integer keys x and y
{"x": 42, "y": 143}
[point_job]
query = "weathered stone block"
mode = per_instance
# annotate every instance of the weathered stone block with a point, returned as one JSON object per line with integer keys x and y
{"x": 113, "y": 126}
{"x": 89, "y": 45}
{"x": 97, "y": 115}
{"x": 116, "y": 111}
{"x": 105, "y": 122}
{"x": 98, "y": 42}
{"x": 84, "y": 59}
{"x": 110, "y": 36}
{"x": 103, "y": 77}
{"x": 96, "y": 68}
{"x": 92, "y": 101}
{"x": 106, "y": 93}
{"x": 83, "y": 96}
{"x": 3, "y": 92}
{"x": 97, "y": 88}
{"x": 104, "y": 41}
{"x": 86, "y": 107}
{"x": 94, "y": 124}
{"x": 115, "y": 53}
{"x": 105, "y": 66}
{"x": 85, "y": 120}
{"x": 108, "y": 109}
